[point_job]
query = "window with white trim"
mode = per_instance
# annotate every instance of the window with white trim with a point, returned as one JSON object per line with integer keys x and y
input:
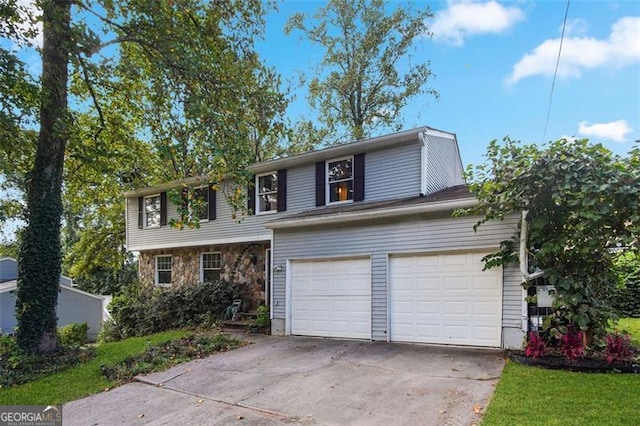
{"x": 267, "y": 193}
{"x": 163, "y": 270}
{"x": 210, "y": 266}
{"x": 152, "y": 211}
{"x": 340, "y": 180}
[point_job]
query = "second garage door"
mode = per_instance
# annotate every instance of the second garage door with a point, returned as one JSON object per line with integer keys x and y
{"x": 445, "y": 299}
{"x": 331, "y": 298}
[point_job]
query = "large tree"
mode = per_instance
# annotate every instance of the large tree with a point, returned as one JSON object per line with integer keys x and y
{"x": 368, "y": 73}
{"x": 149, "y": 80}
{"x": 583, "y": 207}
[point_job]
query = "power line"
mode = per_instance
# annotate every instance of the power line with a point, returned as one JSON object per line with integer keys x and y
{"x": 555, "y": 73}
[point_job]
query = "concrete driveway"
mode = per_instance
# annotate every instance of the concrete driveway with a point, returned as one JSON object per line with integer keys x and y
{"x": 301, "y": 380}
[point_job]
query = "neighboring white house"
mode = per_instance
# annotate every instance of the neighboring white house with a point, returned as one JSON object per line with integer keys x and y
{"x": 74, "y": 305}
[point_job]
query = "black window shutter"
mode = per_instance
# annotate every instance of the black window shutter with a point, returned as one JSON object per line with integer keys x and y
{"x": 163, "y": 208}
{"x": 320, "y": 184}
{"x": 358, "y": 177}
{"x": 251, "y": 196}
{"x": 140, "y": 212}
{"x": 282, "y": 190}
{"x": 212, "y": 203}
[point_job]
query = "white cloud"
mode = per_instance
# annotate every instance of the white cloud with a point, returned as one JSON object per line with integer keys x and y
{"x": 581, "y": 53}
{"x": 467, "y": 18}
{"x": 614, "y": 130}
{"x": 575, "y": 27}
{"x": 31, "y": 8}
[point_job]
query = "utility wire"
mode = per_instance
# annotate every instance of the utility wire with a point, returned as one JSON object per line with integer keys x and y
{"x": 555, "y": 73}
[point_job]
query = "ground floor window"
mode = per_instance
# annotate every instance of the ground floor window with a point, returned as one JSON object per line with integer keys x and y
{"x": 163, "y": 270}
{"x": 210, "y": 265}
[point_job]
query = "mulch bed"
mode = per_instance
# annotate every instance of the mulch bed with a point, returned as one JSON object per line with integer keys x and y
{"x": 584, "y": 365}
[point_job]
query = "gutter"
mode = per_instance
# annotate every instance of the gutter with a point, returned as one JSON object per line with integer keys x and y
{"x": 350, "y": 217}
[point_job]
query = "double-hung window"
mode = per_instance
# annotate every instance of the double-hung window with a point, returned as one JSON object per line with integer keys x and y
{"x": 267, "y": 193}
{"x": 163, "y": 270}
{"x": 210, "y": 266}
{"x": 340, "y": 180}
{"x": 152, "y": 211}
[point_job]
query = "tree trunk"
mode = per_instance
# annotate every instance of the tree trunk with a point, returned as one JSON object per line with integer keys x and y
{"x": 40, "y": 251}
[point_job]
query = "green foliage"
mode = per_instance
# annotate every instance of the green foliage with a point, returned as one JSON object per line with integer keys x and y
{"x": 18, "y": 366}
{"x": 105, "y": 280}
{"x": 262, "y": 318}
{"x": 625, "y": 297}
{"x": 140, "y": 311}
{"x": 73, "y": 334}
{"x": 367, "y": 73}
{"x": 162, "y": 356}
{"x": 582, "y": 202}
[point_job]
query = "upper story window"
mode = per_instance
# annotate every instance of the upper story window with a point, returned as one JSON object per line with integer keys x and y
{"x": 201, "y": 198}
{"x": 163, "y": 270}
{"x": 340, "y": 180}
{"x": 152, "y": 211}
{"x": 210, "y": 266}
{"x": 267, "y": 193}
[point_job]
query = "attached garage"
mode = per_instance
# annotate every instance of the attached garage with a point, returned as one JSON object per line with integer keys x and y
{"x": 445, "y": 299}
{"x": 331, "y": 298}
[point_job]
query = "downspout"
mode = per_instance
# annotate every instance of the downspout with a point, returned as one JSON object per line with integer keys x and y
{"x": 523, "y": 258}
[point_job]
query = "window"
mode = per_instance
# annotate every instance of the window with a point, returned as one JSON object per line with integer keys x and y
{"x": 152, "y": 211}
{"x": 163, "y": 270}
{"x": 267, "y": 193}
{"x": 210, "y": 267}
{"x": 201, "y": 198}
{"x": 340, "y": 180}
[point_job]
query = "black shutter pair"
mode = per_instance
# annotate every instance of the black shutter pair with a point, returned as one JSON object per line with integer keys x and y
{"x": 358, "y": 180}
{"x": 282, "y": 193}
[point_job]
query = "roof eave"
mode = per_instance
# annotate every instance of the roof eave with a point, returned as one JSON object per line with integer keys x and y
{"x": 350, "y": 217}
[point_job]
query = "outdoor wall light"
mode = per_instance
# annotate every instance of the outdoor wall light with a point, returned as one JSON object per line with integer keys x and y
{"x": 278, "y": 268}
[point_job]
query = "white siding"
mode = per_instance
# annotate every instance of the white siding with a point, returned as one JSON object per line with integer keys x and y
{"x": 75, "y": 307}
{"x": 8, "y": 269}
{"x": 7, "y": 312}
{"x": 381, "y": 239}
{"x": 392, "y": 173}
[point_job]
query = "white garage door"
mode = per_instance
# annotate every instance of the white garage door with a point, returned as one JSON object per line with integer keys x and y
{"x": 445, "y": 299}
{"x": 331, "y": 298}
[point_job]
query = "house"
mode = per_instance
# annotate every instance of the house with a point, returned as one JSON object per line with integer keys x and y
{"x": 74, "y": 305}
{"x": 353, "y": 241}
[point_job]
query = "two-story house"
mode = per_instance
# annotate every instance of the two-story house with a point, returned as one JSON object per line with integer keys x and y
{"x": 353, "y": 241}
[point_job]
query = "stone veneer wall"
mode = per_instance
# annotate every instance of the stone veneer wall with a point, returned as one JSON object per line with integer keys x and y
{"x": 241, "y": 264}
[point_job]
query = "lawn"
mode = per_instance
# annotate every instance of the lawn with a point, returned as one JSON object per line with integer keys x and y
{"x": 82, "y": 380}
{"x": 535, "y": 396}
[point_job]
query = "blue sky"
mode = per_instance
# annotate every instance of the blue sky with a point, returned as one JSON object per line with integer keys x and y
{"x": 494, "y": 63}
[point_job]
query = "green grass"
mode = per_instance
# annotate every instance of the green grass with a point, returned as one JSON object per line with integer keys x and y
{"x": 534, "y": 396}
{"x": 631, "y": 326}
{"x": 82, "y": 380}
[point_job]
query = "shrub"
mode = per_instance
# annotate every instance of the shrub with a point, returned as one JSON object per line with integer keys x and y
{"x": 73, "y": 334}
{"x": 571, "y": 345}
{"x": 625, "y": 298}
{"x": 618, "y": 348}
{"x": 139, "y": 311}
{"x": 536, "y": 346}
{"x": 262, "y": 319}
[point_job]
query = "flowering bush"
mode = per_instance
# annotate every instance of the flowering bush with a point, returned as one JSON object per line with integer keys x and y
{"x": 571, "y": 345}
{"x": 618, "y": 348}
{"x": 536, "y": 345}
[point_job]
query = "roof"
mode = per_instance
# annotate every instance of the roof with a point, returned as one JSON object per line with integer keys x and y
{"x": 347, "y": 149}
{"x": 448, "y": 199}
{"x": 13, "y": 285}
{"x": 371, "y": 144}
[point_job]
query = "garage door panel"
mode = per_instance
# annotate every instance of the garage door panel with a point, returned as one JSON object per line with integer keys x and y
{"x": 445, "y": 299}
{"x": 331, "y": 298}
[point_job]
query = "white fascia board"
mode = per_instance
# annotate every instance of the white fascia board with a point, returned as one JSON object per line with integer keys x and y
{"x": 198, "y": 243}
{"x": 439, "y": 133}
{"x": 423, "y": 163}
{"x": 349, "y": 217}
{"x": 343, "y": 150}
{"x": 84, "y": 293}
{"x": 197, "y": 180}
